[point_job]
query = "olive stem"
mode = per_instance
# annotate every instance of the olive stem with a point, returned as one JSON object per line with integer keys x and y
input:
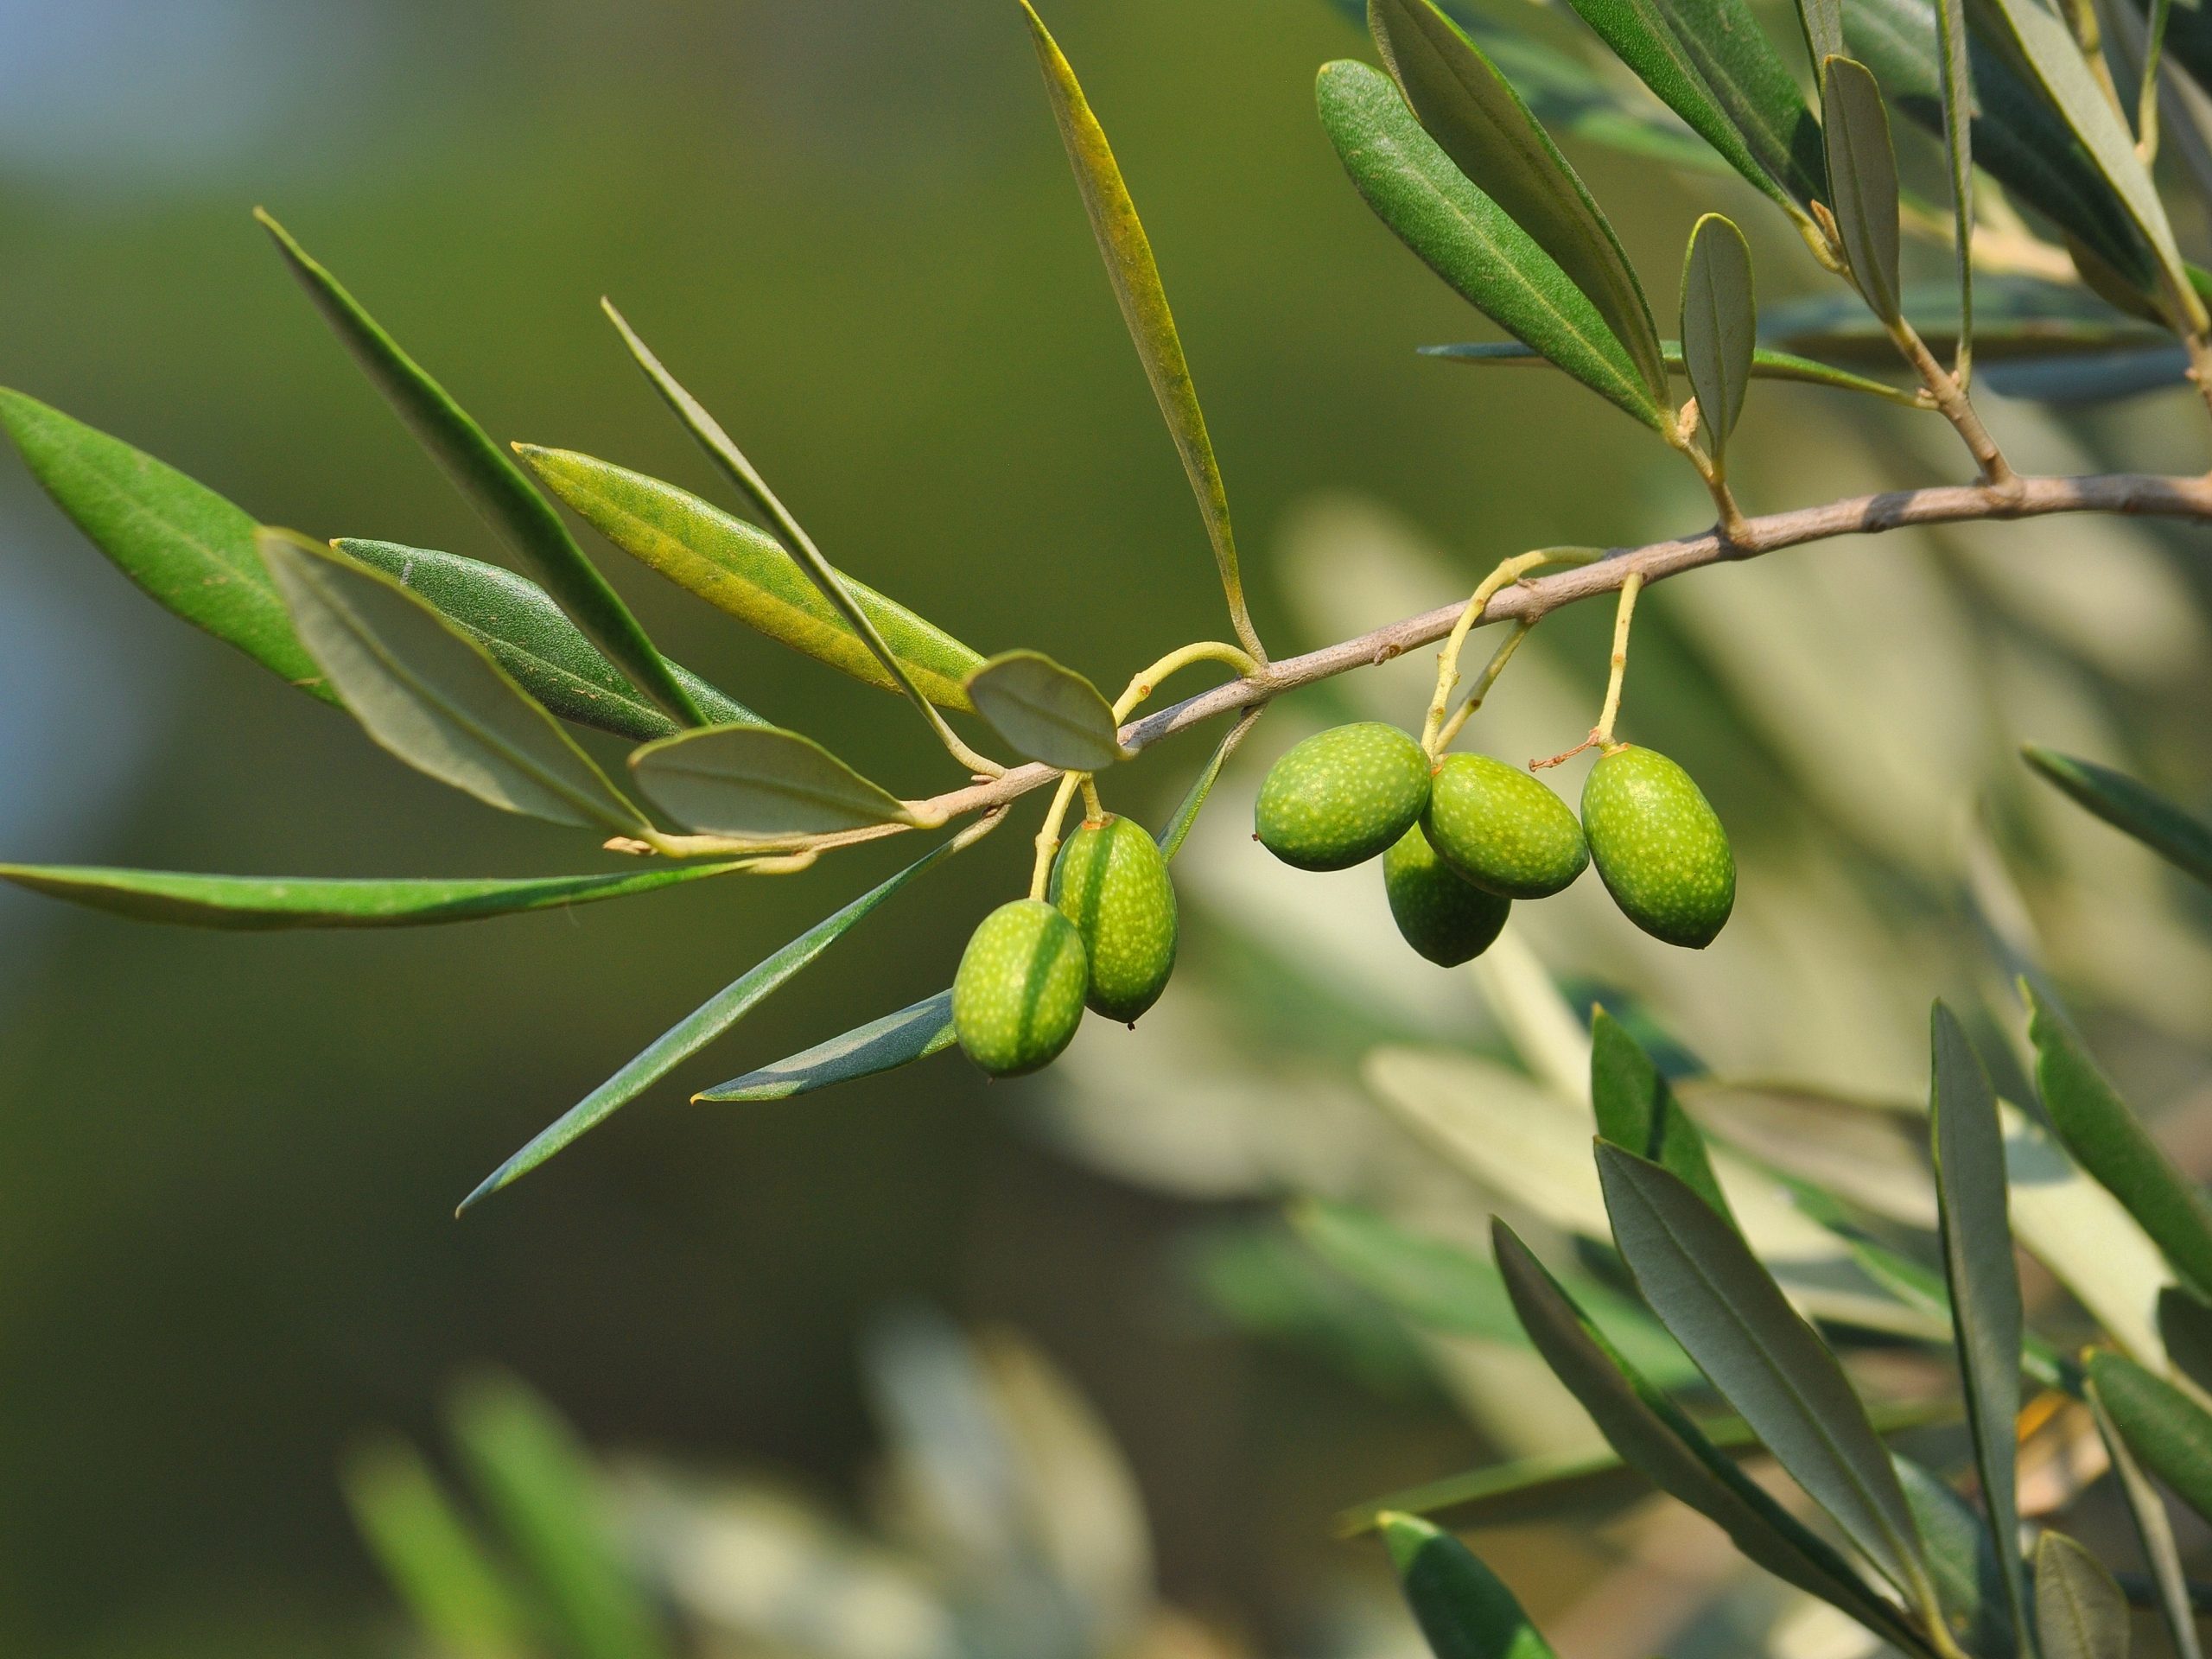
{"x": 1432, "y": 735}
{"x": 1483, "y": 681}
{"x": 1950, "y": 394}
{"x": 1201, "y": 651}
{"x": 1094, "y": 809}
{"x": 1601, "y": 735}
{"x": 1048, "y": 834}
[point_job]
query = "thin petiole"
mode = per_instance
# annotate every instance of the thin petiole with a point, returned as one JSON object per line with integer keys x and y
{"x": 1601, "y": 735}
{"x": 1521, "y": 628}
{"x": 1433, "y": 738}
{"x": 1203, "y": 651}
{"x": 1048, "y": 834}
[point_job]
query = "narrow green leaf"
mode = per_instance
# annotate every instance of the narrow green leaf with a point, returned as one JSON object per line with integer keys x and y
{"x": 1194, "y": 799}
{"x": 2185, "y": 1322}
{"x": 493, "y": 484}
{"x": 531, "y": 637}
{"x": 2080, "y": 1613}
{"x": 1967, "y": 1143}
{"x": 188, "y": 547}
{"x": 1822, "y": 23}
{"x": 1766, "y": 364}
{"x": 1708, "y": 1289}
{"x": 696, "y": 1030}
{"x": 1643, "y": 36}
{"x": 1478, "y": 120}
{"x": 431, "y": 696}
{"x": 1636, "y": 1108}
{"x": 2169, "y": 1432}
{"x": 1468, "y": 240}
{"x": 1955, "y": 59}
{"x": 2017, "y": 321}
{"x": 760, "y": 783}
{"x": 1863, "y": 175}
{"x": 1046, "y": 712}
{"x": 913, "y": 1033}
{"x": 744, "y": 572}
{"x": 1719, "y": 325}
{"x": 1463, "y": 1608}
{"x": 270, "y": 904}
{"x": 539, "y": 1481}
{"x": 1924, "y": 1287}
{"x": 1652, "y": 1433}
{"x": 1963, "y": 1560}
{"x": 1134, "y": 276}
{"x": 2109, "y": 1142}
{"x": 2154, "y": 1529}
{"x": 1747, "y": 75}
{"x": 431, "y": 1555}
{"x": 2130, "y": 808}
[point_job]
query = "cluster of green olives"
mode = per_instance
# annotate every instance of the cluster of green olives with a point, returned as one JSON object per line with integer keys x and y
{"x": 1105, "y": 940}
{"x": 1463, "y": 837}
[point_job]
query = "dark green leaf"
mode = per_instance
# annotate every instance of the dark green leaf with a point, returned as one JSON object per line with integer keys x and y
{"x": 1194, "y": 799}
{"x": 1954, "y": 59}
{"x": 2108, "y": 1141}
{"x": 1468, "y": 240}
{"x": 1968, "y": 1146}
{"x": 1863, "y": 174}
{"x": 1822, "y": 21}
{"x": 267, "y": 903}
{"x": 1962, "y": 1559}
{"x": 1479, "y": 120}
{"x": 740, "y": 569}
{"x": 696, "y": 1030}
{"x": 1636, "y": 1109}
{"x": 2016, "y": 320}
{"x": 760, "y": 783}
{"x": 912, "y": 1034}
{"x": 1719, "y": 325}
{"x": 530, "y": 637}
{"x": 2080, "y": 1613}
{"x": 432, "y": 1556}
{"x": 1463, "y": 1608}
{"x": 189, "y": 549}
{"x": 1708, "y": 1289}
{"x": 2169, "y": 1432}
{"x": 493, "y": 483}
{"x": 1046, "y": 712}
{"x": 2154, "y": 1530}
{"x": 2129, "y": 807}
{"x": 1651, "y": 1432}
{"x": 539, "y": 1482}
{"x": 433, "y": 696}
{"x": 1765, "y": 365}
{"x": 2185, "y": 1325}
{"x": 1134, "y": 276}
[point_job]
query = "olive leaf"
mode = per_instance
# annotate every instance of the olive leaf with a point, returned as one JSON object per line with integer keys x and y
{"x": 1194, "y": 799}
{"x": 2167, "y": 1430}
{"x": 1046, "y": 712}
{"x": 1954, "y": 57}
{"x": 1766, "y": 364}
{"x": 912, "y": 1034}
{"x": 264, "y": 903}
{"x": 493, "y": 484}
{"x": 2017, "y": 321}
{"x": 1822, "y": 23}
{"x": 433, "y": 696}
{"x": 1134, "y": 276}
{"x": 1710, "y": 1291}
{"x": 1968, "y": 1141}
{"x": 696, "y": 1029}
{"x": 2154, "y": 1530}
{"x": 1963, "y": 1560}
{"x": 2185, "y": 1322}
{"x": 453, "y": 1586}
{"x": 1473, "y": 111}
{"x": 1636, "y": 1108}
{"x": 531, "y": 637}
{"x": 2116, "y": 1150}
{"x": 744, "y": 572}
{"x": 1463, "y": 1608}
{"x": 1468, "y": 240}
{"x": 1863, "y": 174}
{"x": 2131, "y": 808}
{"x": 2080, "y": 1613}
{"x": 189, "y": 549}
{"x": 760, "y": 783}
{"x": 1719, "y": 325}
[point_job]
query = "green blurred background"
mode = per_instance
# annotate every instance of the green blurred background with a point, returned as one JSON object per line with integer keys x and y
{"x": 227, "y": 1165}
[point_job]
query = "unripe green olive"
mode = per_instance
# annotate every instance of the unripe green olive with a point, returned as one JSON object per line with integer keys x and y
{"x": 1503, "y": 829}
{"x": 1342, "y": 796}
{"x": 1018, "y": 996}
{"x": 1659, "y": 846}
{"x": 1442, "y": 915}
{"x": 1112, "y": 883}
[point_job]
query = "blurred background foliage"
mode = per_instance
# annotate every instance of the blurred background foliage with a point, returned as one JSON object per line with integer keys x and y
{"x": 227, "y": 1163}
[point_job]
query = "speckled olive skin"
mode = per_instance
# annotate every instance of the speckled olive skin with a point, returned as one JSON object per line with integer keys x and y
{"x": 1112, "y": 883}
{"x": 1342, "y": 796}
{"x": 1018, "y": 996}
{"x": 1442, "y": 915}
{"x": 1659, "y": 846}
{"x": 1503, "y": 829}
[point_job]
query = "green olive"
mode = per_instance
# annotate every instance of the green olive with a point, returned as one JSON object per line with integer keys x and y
{"x": 1342, "y": 796}
{"x": 1442, "y": 915}
{"x": 1112, "y": 883}
{"x": 1018, "y": 996}
{"x": 1503, "y": 829}
{"x": 1659, "y": 846}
